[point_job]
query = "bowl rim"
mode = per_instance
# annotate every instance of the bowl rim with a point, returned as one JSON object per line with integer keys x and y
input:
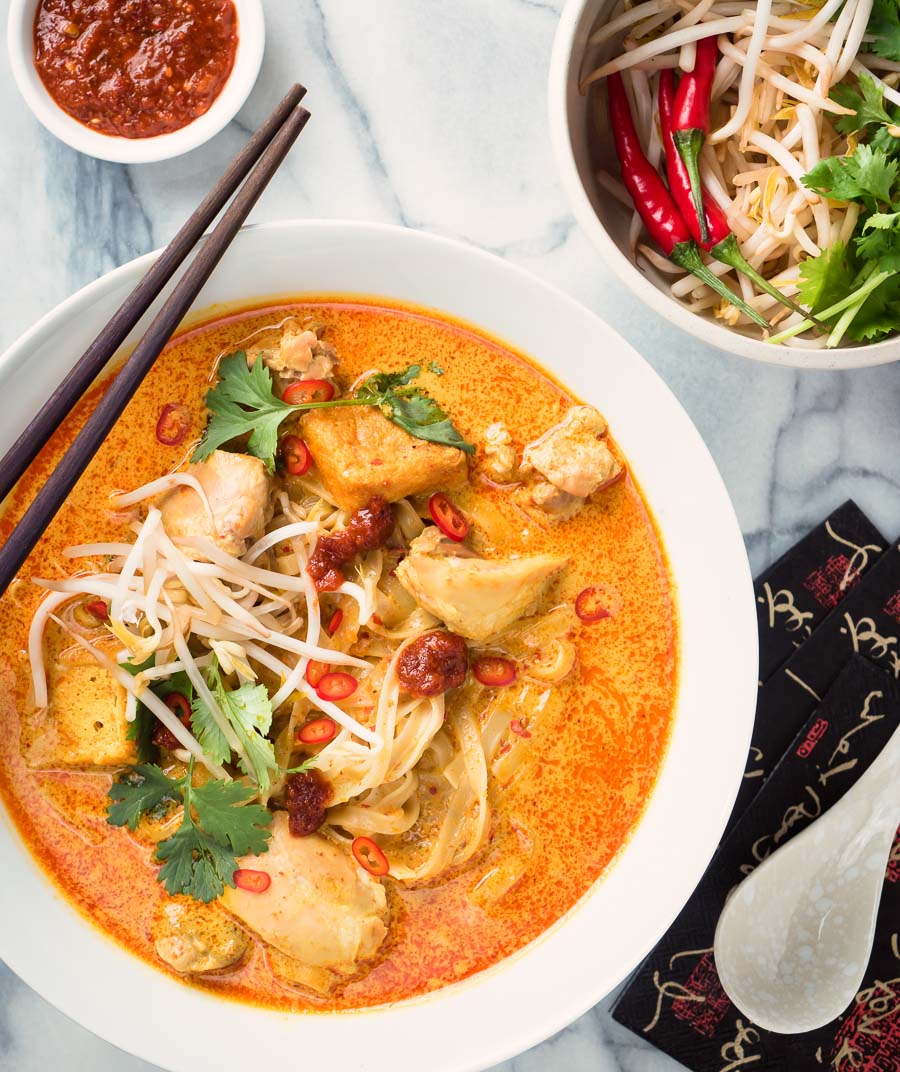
{"x": 563, "y": 64}
{"x": 247, "y": 63}
{"x": 549, "y": 982}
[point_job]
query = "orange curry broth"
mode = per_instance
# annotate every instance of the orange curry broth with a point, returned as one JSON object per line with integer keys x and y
{"x": 588, "y": 775}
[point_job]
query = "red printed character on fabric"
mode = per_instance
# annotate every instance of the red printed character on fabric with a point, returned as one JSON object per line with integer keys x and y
{"x": 869, "y": 1039}
{"x": 703, "y": 1015}
{"x": 892, "y": 607}
{"x": 830, "y": 583}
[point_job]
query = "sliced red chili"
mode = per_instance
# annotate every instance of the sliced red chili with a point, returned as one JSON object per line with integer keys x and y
{"x": 179, "y": 705}
{"x": 452, "y": 522}
{"x": 336, "y": 686}
{"x": 518, "y": 728}
{"x": 597, "y": 602}
{"x": 174, "y": 424}
{"x": 296, "y": 456}
{"x": 319, "y": 731}
{"x": 299, "y": 394}
{"x": 334, "y": 622}
{"x": 99, "y": 609}
{"x": 245, "y": 878}
{"x": 315, "y": 672}
{"x": 493, "y": 671}
{"x": 369, "y": 856}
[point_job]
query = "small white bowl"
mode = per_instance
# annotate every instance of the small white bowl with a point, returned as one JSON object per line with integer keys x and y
{"x": 606, "y": 221}
{"x": 247, "y": 61}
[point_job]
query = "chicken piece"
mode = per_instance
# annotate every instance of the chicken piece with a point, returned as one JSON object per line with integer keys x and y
{"x": 83, "y": 726}
{"x": 572, "y": 455}
{"x": 499, "y": 453}
{"x": 238, "y": 489}
{"x": 321, "y": 909}
{"x": 359, "y": 453}
{"x": 554, "y": 500}
{"x": 192, "y": 937}
{"x": 299, "y": 355}
{"x": 475, "y": 597}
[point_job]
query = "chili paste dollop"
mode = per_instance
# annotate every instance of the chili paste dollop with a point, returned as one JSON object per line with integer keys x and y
{"x": 135, "y": 68}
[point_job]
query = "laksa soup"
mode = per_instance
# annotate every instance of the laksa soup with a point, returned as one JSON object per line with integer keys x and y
{"x": 348, "y": 666}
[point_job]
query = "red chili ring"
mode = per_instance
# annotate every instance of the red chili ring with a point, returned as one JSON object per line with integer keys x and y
{"x": 299, "y": 394}
{"x": 334, "y": 622}
{"x": 179, "y": 705}
{"x": 336, "y": 686}
{"x": 246, "y": 878}
{"x": 452, "y": 522}
{"x": 369, "y": 856}
{"x": 319, "y": 731}
{"x": 295, "y": 455}
{"x": 173, "y": 424}
{"x": 596, "y": 602}
{"x": 493, "y": 671}
{"x": 315, "y": 672}
{"x": 518, "y": 728}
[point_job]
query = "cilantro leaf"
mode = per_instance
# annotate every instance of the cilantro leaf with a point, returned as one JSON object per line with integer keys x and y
{"x": 435, "y": 368}
{"x": 211, "y": 738}
{"x": 419, "y": 414}
{"x": 218, "y": 825}
{"x": 825, "y": 279}
{"x": 867, "y": 176}
{"x": 249, "y": 712}
{"x": 880, "y": 313}
{"x": 143, "y": 788}
{"x": 306, "y": 765}
{"x": 381, "y": 383}
{"x": 880, "y": 240}
{"x": 884, "y": 25}
{"x": 242, "y": 401}
{"x": 887, "y": 139}
{"x": 224, "y": 814}
{"x": 243, "y": 405}
{"x": 867, "y": 101}
{"x": 195, "y": 864}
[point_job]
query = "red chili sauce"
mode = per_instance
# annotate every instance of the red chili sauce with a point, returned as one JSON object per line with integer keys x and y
{"x": 135, "y": 68}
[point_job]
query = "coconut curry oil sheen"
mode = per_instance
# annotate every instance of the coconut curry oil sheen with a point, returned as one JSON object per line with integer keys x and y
{"x": 590, "y": 764}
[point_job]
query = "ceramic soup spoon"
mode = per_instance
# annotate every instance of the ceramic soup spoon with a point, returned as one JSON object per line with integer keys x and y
{"x": 794, "y": 939}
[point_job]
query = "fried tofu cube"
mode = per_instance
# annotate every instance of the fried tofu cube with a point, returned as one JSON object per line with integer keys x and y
{"x": 83, "y": 727}
{"x": 360, "y": 453}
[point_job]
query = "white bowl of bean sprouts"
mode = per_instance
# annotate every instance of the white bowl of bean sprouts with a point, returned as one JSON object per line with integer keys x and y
{"x": 799, "y": 88}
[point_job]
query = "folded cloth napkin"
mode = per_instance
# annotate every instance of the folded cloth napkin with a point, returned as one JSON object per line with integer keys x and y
{"x": 824, "y": 714}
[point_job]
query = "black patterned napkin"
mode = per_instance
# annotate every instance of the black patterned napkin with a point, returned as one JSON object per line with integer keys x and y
{"x": 822, "y": 718}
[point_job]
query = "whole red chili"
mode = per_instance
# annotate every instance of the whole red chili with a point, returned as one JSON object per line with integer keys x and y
{"x": 654, "y": 203}
{"x": 721, "y": 243}
{"x": 690, "y": 120}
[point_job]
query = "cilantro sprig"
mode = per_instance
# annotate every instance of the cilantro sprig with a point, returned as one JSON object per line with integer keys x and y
{"x": 249, "y": 712}
{"x": 884, "y": 25}
{"x": 243, "y": 404}
{"x": 854, "y": 287}
{"x": 218, "y": 825}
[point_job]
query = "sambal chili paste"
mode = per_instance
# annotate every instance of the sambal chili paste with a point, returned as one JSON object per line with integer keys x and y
{"x": 135, "y": 68}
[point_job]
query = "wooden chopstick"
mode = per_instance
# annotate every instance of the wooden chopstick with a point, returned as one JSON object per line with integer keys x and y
{"x": 26, "y": 448}
{"x": 88, "y": 441}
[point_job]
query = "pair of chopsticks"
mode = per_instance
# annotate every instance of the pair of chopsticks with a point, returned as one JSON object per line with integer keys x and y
{"x": 256, "y": 163}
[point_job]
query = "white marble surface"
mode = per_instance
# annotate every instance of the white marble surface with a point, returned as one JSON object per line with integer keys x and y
{"x": 432, "y": 115}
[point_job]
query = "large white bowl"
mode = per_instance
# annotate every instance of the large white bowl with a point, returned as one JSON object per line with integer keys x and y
{"x": 605, "y": 220}
{"x": 541, "y": 989}
{"x": 247, "y": 60}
